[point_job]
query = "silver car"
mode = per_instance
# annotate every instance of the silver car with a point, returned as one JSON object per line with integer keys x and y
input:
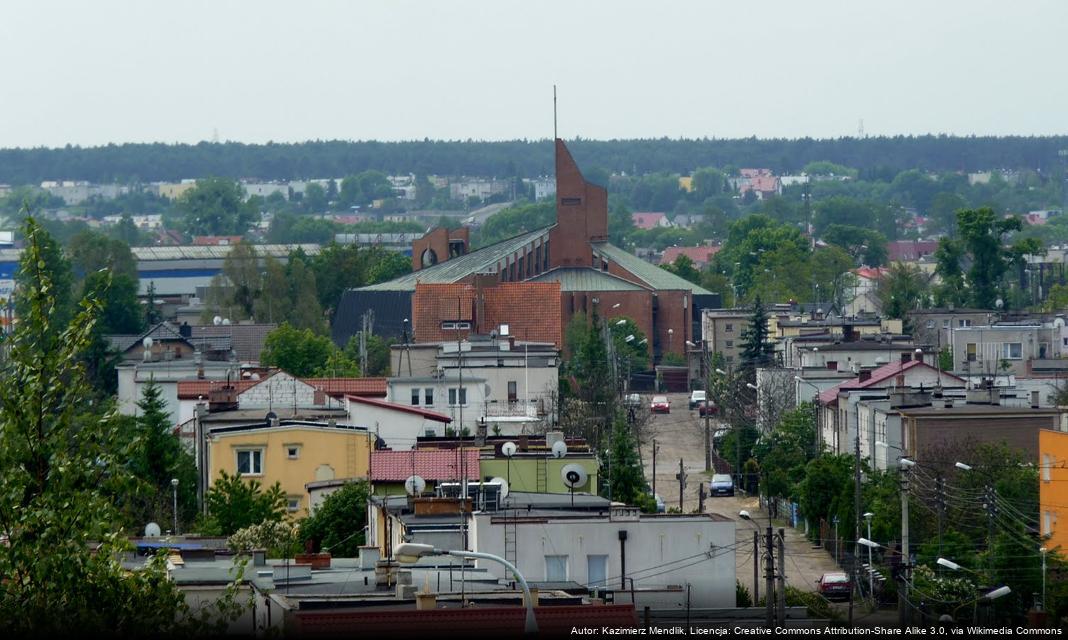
{"x": 722, "y": 485}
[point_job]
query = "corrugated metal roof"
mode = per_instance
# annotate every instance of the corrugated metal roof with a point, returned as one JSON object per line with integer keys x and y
{"x": 650, "y": 274}
{"x": 189, "y": 252}
{"x": 586, "y": 279}
{"x": 458, "y": 268}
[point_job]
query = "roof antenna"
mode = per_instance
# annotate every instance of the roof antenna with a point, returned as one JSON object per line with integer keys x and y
{"x": 555, "y": 136}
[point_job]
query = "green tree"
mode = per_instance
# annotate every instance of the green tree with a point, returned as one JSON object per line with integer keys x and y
{"x": 867, "y": 245}
{"x": 683, "y": 267}
{"x": 948, "y": 257}
{"x": 632, "y": 354}
{"x": 52, "y": 265}
{"x": 234, "y": 293}
{"x": 299, "y": 352}
{"x": 378, "y": 355}
{"x": 153, "y": 316}
{"x": 902, "y": 289}
{"x": 117, "y": 292}
{"x": 588, "y": 364}
{"x": 784, "y": 454}
{"x": 982, "y": 234}
{"x": 161, "y": 458}
{"x": 304, "y": 311}
{"x": 235, "y": 503}
{"x": 91, "y": 251}
{"x": 60, "y": 469}
{"x": 626, "y": 481}
{"x": 757, "y": 348}
{"x": 314, "y": 200}
{"x": 216, "y": 206}
{"x": 827, "y": 488}
{"x": 338, "y": 365}
{"x": 338, "y": 523}
{"x": 943, "y": 214}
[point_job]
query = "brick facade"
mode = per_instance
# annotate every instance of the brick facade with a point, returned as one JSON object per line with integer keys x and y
{"x": 530, "y": 310}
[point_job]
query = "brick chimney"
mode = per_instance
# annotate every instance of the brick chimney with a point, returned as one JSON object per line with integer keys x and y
{"x": 865, "y": 375}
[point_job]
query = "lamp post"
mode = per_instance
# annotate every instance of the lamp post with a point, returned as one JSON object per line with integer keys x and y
{"x": 1043, "y": 551}
{"x": 174, "y": 491}
{"x": 410, "y": 552}
{"x": 671, "y": 334}
{"x": 769, "y": 568}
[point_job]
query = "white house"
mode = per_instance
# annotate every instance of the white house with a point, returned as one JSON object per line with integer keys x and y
{"x": 462, "y": 402}
{"x": 398, "y": 425}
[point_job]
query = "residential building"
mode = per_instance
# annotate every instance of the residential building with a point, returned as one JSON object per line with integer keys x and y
{"x": 700, "y": 256}
{"x": 578, "y": 244}
{"x": 721, "y": 330}
{"x": 391, "y": 469}
{"x": 933, "y": 328}
{"x": 865, "y": 298}
{"x": 1053, "y": 488}
{"x": 1007, "y": 347}
{"x": 265, "y": 189}
{"x": 241, "y": 343}
{"x": 910, "y": 250}
{"x": 534, "y": 469}
{"x": 544, "y": 187}
{"x": 463, "y": 399}
{"x": 481, "y": 188}
{"x": 828, "y": 352}
{"x": 649, "y": 220}
{"x": 578, "y": 538}
{"x": 174, "y": 190}
{"x": 291, "y": 453}
{"x": 398, "y": 425}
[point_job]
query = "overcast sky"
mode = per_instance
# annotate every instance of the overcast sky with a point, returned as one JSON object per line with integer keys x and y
{"x": 105, "y": 71}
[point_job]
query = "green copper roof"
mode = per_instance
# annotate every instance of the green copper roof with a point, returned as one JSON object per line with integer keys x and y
{"x": 586, "y": 279}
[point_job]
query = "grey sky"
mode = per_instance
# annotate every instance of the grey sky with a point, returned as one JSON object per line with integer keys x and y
{"x": 140, "y": 70}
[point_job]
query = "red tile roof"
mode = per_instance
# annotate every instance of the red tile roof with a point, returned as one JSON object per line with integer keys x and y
{"x": 766, "y": 184}
{"x": 429, "y": 415}
{"x": 432, "y": 465}
{"x": 871, "y": 273}
{"x": 878, "y": 378}
{"x": 334, "y": 387}
{"x": 700, "y": 255}
{"x": 647, "y": 219}
{"x": 193, "y": 389}
{"x": 899, "y": 250}
{"x": 338, "y": 387}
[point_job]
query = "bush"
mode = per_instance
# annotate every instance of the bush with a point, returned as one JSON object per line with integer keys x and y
{"x": 741, "y": 595}
{"x": 279, "y": 539}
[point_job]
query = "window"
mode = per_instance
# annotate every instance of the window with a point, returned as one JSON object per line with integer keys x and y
{"x": 930, "y": 324}
{"x": 462, "y": 394}
{"x": 971, "y": 348}
{"x": 428, "y": 397}
{"x": 556, "y": 568}
{"x": 730, "y": 343}
{"x": 512, "y": 396}
{"x": 250, "y": 462}
{"x": 597, "y": 571}
{"x": 415, "y": 397}
{"x": 463, "y": 325}
{"x": 945, "y": 324}
{"x": 1047, "y": 462}
{"x": 293, "y": 503}
{"x": 448, "y": 325}
{"x": 1047, "y": 523}
{"x": 729, "y": 328}
{"x": 964, "y": 322}
{"x": 293, "y": 451}
{"x": 1011, "y": 350}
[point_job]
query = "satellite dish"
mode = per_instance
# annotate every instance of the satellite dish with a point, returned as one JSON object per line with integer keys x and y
{"x": 508, "y": 449}
{"x": 226, "y": 321}
{"x": 255, "y": 376}
{"x": 152, "y": 530}
{"x": 147, "y": 342}
{"x": 559, "y": 449}
{"x": 217, "y": 320}
{"x": 574, "y": 475}
{"x": 504, "y": 486}
{"x": 271, "y": 415}
{"x": 414, "y": 485}
{"x": 1059, "y": 323}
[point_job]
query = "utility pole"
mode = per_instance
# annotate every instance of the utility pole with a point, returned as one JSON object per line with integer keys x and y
{"x": 769, "y": 577}
{"x": 782, "y": 576}
{"x": 682, "y": 482}
{"x": 708, "y": 415}
{"x": 941, "y": 484}
{"x": 654, "y": 465}
{"x": 701, "y": 497}
{"x": 903, "y": 587}
{"x": 856, "y": 517}
{"x": 756, "y": 567}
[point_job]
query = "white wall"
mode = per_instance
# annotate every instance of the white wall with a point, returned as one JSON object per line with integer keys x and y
{"x": 283, "y": 390}
{"x": 398, "y": 428}
{"x": 653, "y": 543}
{"x": 400, "y": 392}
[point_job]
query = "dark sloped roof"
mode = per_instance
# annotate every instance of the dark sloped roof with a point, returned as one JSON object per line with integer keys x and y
{"x": 459, "y": 268}
{"x": 650, "y": 274}
{"x": 586, "y": 279}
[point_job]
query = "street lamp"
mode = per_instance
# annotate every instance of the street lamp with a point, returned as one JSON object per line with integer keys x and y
{"x": 174, "y": 490}
{"x": 671, "y": 334}
{"x": 962, "y": 466}
{"x": 410, "y": 552}
{"x": 871, "y": 574}
{"x": 620, "y": 323}
{"x": 721, "y": 372}
{"x": 751, "y": 386}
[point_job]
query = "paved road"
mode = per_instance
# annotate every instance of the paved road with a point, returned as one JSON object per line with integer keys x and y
{"x": 678, "y": 436}
{"x": 479, "y": 216}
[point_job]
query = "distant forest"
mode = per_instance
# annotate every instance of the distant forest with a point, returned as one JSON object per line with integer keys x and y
{"x": 874, "y": 157}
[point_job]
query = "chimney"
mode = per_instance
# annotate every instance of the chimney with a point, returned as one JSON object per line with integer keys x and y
{"x": 905, "y": 357}
{"x": 865, "y": 375}
{"x": 185, "y": 330}
{"x": 1034, "y": 399}
{"x": 918, "y": 355}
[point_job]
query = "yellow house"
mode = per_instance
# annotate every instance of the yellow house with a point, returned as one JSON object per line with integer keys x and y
{"x": 291, "y": 453}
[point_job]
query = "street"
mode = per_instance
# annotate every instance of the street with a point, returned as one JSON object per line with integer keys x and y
{"x": 679, "y": 436}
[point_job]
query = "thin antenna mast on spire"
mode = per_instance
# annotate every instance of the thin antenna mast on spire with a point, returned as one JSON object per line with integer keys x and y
{"x": 555, "y": 136}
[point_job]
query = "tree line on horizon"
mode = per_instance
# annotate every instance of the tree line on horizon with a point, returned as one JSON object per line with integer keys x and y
{"x": 874, "y": 157}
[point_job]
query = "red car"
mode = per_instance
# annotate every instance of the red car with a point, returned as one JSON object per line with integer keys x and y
{"x": 706, "y": 408}
{"x": 835, "y": 584}
{"x": 660, "y": 404}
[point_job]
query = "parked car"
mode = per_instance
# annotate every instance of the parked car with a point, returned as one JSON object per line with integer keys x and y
{"x": 633, "y": 400}
{"x": 706, "y": 408}
{"x": 722, "y": 485}
{"x": 660, "y": 404}
{"x": 835, "y": 584}
{"x": 697, "y": 397}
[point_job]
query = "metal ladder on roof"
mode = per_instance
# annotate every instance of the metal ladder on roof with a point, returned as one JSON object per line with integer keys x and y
{"x": 542, "y": 476}
{"x": 511, "y": 537}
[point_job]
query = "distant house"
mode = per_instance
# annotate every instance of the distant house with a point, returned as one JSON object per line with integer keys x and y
{"x": 700, "y": 256}
{"x": 910, "y": 250}
{"x": 865, "y": 294}
{"x": 650, "y": 219}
